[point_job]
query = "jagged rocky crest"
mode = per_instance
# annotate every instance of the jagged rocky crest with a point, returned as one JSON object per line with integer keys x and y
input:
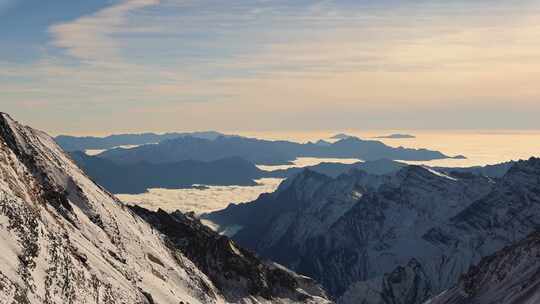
{"x": 64, "y": 239}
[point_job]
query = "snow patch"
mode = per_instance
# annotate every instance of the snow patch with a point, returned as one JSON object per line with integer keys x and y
{"x": 441, "y": 174}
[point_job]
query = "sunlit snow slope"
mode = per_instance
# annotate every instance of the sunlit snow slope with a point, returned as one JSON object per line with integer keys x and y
{"x": 63, "y": 239}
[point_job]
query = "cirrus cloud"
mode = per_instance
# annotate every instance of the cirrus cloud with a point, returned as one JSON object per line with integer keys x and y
{"x": 90, "y": 38}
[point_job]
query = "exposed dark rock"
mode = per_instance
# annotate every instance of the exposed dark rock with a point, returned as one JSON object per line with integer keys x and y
{"x": 226, "y": 264}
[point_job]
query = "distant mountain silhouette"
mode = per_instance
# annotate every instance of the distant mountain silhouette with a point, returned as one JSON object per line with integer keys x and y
{"x": 396, "y": 136}
{"x": 74, "y": 143}
{"x": 386, "y": 166}
{"x": 263, "y": 151}
{"x": 323, "y": 143}
{"x": 137, "y": 178}
{"x": 494, "y": 171}
{"x": 378, "y": 167}
{"x": 341, "y": 136}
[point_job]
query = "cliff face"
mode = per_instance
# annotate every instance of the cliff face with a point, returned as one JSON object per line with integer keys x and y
{"x": 66, "y": 240}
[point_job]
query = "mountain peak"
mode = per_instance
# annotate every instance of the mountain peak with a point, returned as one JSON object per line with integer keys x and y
{"x": 304, "y": 183}
{"x": 340, "y": 136}
{"x": 530, "y": 166}
{"x": 308, "y": 173}
{"x": 350, "y": 139}
{"x": 6, "y": 132}
{"x": 5, "y": 115}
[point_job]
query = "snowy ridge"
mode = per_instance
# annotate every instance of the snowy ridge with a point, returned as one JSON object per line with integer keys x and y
{"x": 66, "y": 240}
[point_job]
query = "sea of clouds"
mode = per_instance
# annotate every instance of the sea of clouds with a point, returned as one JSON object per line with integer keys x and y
{"x": 200, "y": 200}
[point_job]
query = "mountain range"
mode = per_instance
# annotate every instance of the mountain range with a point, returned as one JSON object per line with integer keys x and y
{"x": 64, "y": 239}
{"x": 402, "y": 237}
{"x": 396, "y": 136}
{"x": 76, "y": 143}
{"x": 134, "y": 178}
{"x": 262, "y": 152}
{"x": 139, "y": 177}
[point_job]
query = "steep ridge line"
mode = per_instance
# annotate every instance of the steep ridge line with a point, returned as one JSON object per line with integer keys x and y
{"x": 66, "y": 240}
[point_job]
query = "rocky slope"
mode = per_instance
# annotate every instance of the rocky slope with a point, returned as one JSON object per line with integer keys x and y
{"x": 400, "y": 238}
{"x": 302, "y": 207}
{"x": 236, "y": 271}
{"x": 509, "y": 212}
{"x": 65, "y": 240}
{"x": 510, "y": 276}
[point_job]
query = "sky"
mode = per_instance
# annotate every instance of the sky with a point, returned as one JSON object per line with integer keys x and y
{"x": 113, "y": 66}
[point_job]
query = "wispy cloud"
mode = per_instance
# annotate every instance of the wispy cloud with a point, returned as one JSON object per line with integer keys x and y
{"x": 201, "y": 64}
{"x": 90, "y": 38}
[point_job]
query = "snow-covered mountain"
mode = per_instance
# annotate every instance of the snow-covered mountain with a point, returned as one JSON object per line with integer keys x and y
{"x": 510, "y": 276}
{"x": 64, "y": 239}
{"x": 302, "y": 207}
{"x": 399, "y": 238}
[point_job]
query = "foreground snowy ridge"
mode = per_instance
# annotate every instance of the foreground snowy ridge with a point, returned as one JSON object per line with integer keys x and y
{"x": 65, "y": 240}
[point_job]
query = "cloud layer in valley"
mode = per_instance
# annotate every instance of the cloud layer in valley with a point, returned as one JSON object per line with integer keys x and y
{"x": 208, "y": 199}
